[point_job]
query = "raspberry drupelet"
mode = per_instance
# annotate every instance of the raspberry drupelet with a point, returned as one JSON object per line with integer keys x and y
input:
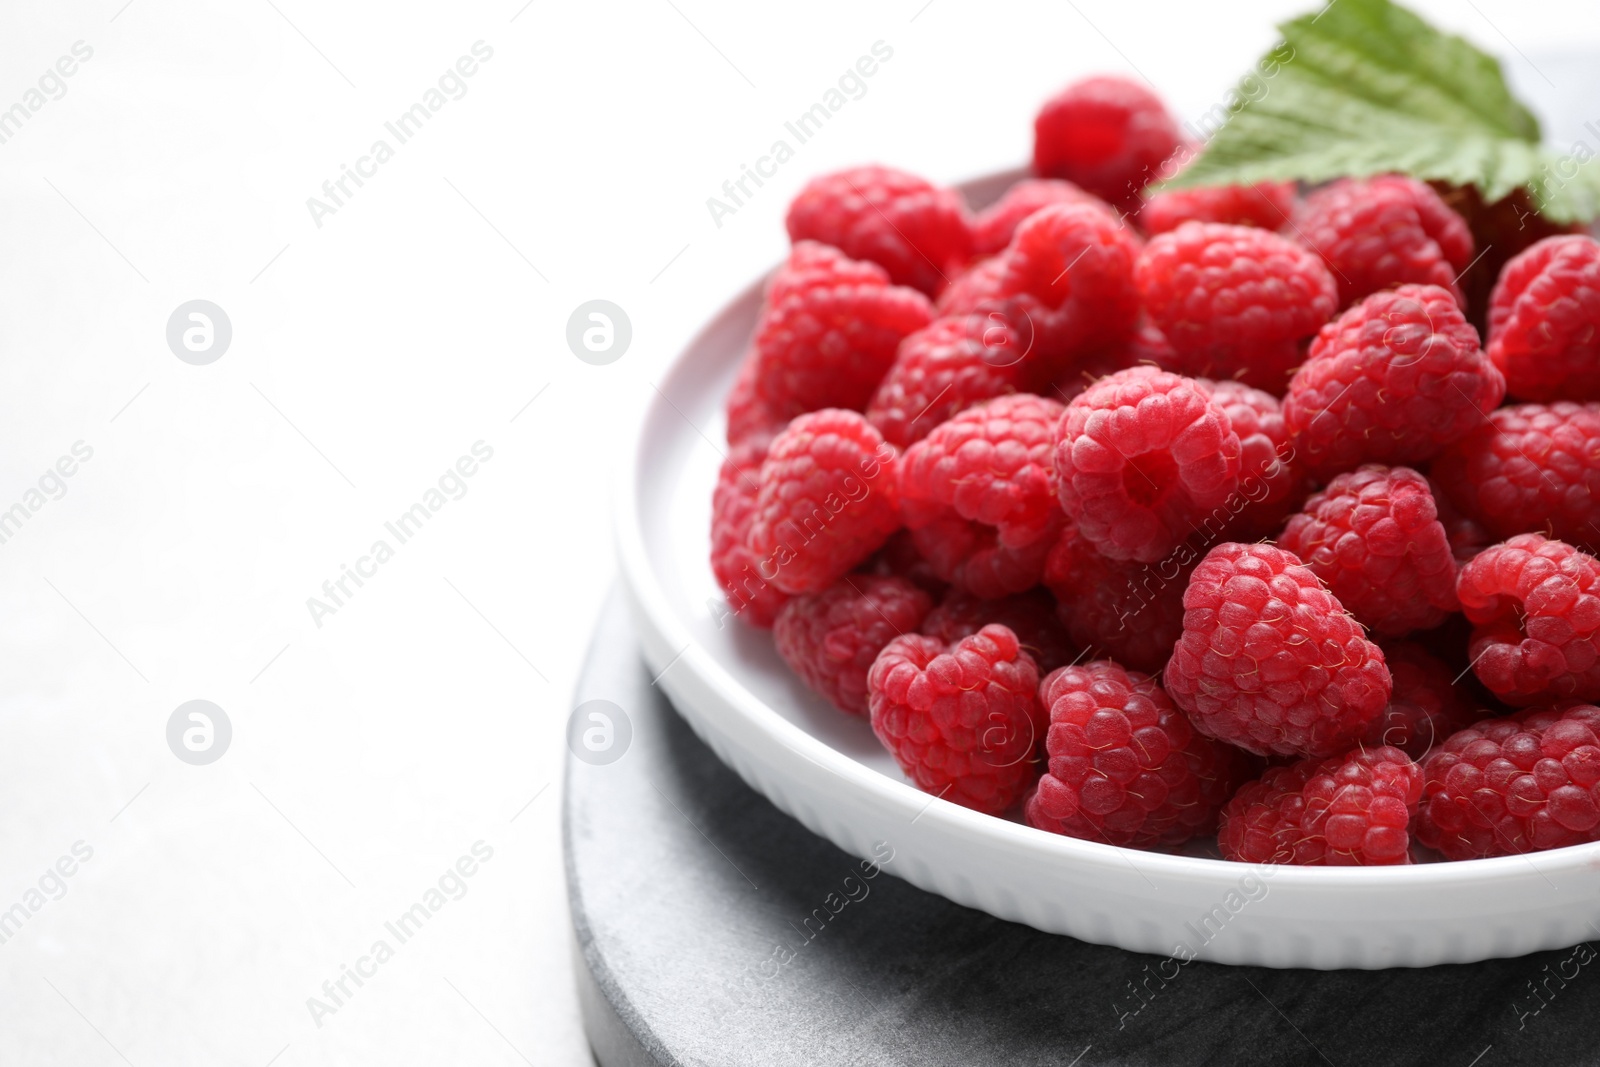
{"x": 962, "y": 720}
{"x": 831, "y": 638}
{"x": 1124, "y": 766}
{"x": 1348, "y": 810}
{"x": 1396, "y": 379}
{"x": 1269, "y": 659}
{"x": 1141, "y": 457}
{"x": 1535, "y": 605}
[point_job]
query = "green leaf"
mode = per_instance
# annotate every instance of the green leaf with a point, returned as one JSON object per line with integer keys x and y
{"x": 1366, "y": 87}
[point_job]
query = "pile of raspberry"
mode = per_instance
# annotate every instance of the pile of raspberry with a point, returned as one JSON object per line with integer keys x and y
{"x": 1152, "y": 517}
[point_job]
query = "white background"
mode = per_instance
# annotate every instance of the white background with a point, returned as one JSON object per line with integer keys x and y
{"x": 368, "y": 354}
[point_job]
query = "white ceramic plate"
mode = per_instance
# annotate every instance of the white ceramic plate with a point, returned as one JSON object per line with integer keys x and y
{"x": 826, "y": 770}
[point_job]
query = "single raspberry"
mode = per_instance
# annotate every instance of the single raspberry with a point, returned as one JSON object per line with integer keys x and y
{"x": 1350, "y": 810}
{"x": 1536, "y": 606}
{"x": 751, "y": 420}
{"x": 1265, "y": 205}
{"x": 899, "y": 558}
{"x": 913, "y": 229}
{"x": 987, "y": 469}
{"x": 962, "y": 720}
{"x": 1234, "y": 301}
{"x": 1426, "y": 706}
{"x": 993, "y": 228}
{"x": 945, "y": 368}
{"x": 1140, "y": 456}
{"x": 1376, "y": 233}
{"x": 1396, "y": 379}
{"x": 1031, "y": 616}
{"x": 1534, "y": 467}
{"x": 829, "y": 332}
{"x": 750, "y": 594}
{"x": 1078, "y": 259}
{"x": 1522, "y": 783}
{"x": 1124, "y": 765}
{"x": 1108, "y": 134}
{"x": 1544, "y": 321}
{"x": 1374, "y": 537}
{"x": 1271, "y": 485}
{"x": 831, "y": 638}
{"x": 1269, "y": 659}
{"x": 1129, "y": 612}
{"x": 827, "y": 501}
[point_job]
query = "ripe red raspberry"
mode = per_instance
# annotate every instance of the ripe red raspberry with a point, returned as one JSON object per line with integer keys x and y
{"x": 1396, "y": 379}
{"x": 962, "y": 720}
{"x": 829, "y": 332}
{"x": 1269, "y": 659}
{"x": 915, "y": 230}
{"x": 751, "y": 595}
{"x": 1233, "y": 301}
{"x": 1265, "y": 205}
{"x": 1374, "y": 537}
{"x": 1544, "y": 321}
{"x": 751, "y": 420}
{"x": 1078, "y": 259}
{"x": 993, "y": 228}
{"x": 1031, "y": 616}
{"x": 1536, "y": 606}
{"x": 1140, "y": 456}
{"x": 827, "y": 501}
{"x": 1427, "y": 705}
{"x": 831, "y": 638}
{"x": 1376, "y": 233}
{"x": 1350, "y": 810}
{"x": 1533, "y": 467}
{"x": 1129, "y": 612}
{"x": 1271, "y": 486}
{"x": 1108, "y": 134}
{"x": 1124, "y": 765}
{"x": 945, "y": 368}
{"x": 1523, "y": 783}
{"x": 979, "y": 485}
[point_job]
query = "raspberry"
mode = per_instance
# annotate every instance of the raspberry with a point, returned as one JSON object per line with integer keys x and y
{"x": 1233, "y": 301}
{"x": 1129, "y": 612}
{"x": 1140, "y": 456}
{"x": 913, "y": 229}
{"x": 1108, "y": 134}
{"x": 980, "y": 485}
{"x": 981, "y": 286}
{"x": 1350, "y": 810}
{"x": 1374, "y": 537}
{"x": 1031, "y": 616}
{"x": 1124, "y": 766}
{"x": 1536, "y": 606}
{"x": 827, "y": 501}
{"x": 750, "y": 418}
{"x": 1079, "y": 259}
{"x": 1270, "y": 486}
{"x": 831, "y": 638}
{"x": 945, "y": 368}
{"x": 1523, "y": 783}
{"x": 993, "y": 228}
{"x": 829, "y": 332}
{"x": 1544, "y": 321}
{"x": 1396, "y": 379}
{"x": 1533, "y": 467}
{"x": 1269, "y": 659}
{"x": 1376, "y": 233}
{"x": 1426, "y": 706}
{"x": 753, "y": 598}
{"x": 962, "y": 720}
{"x": 1266, "y": 205}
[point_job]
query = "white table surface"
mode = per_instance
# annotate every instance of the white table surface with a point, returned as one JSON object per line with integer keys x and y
{"x": 427, "y": 713}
